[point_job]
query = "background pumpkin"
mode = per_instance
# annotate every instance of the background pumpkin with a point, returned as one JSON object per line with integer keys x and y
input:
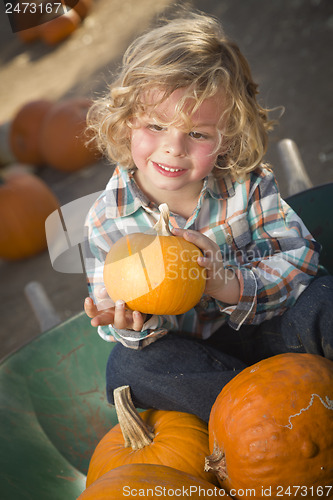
{"x": 141, "y": 477}
{"x": 171, "y": 438}
{"x": 25, "y": 203}
{"x": 45, "y": 25}
{"x": 82, "y": 7}
{"x": 61, "y": 27}
{"x": 272, "y": 427}
{"x": 26, "y": 20}
{"x": 155, "y": 273}
{"x": 29, "y": 35}
{"x": 63, "y": 139}
{"x": 24, "y": 132}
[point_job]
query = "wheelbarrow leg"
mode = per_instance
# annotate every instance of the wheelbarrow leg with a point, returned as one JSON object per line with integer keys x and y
{"x": 293, "y": 166}
{"x": 41, "y": 305}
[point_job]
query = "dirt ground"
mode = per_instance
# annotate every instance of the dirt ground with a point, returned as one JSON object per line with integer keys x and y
{"x": 288, "y": 44}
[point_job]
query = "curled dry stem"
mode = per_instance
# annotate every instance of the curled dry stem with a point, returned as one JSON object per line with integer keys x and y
{"x": 162, "y": 225}
{"x": 137, "y": 434}
{"x": 216, "y": 463}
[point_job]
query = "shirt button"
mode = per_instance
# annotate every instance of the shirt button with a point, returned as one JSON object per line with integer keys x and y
{"x": 229, "y": 239}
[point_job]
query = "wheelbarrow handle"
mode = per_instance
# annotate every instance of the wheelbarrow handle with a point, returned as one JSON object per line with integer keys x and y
{"x": 41, "y": 305}
{"x": 293, "y": 166}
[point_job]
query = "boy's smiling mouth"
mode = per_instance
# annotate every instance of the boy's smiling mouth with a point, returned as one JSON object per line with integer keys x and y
{"x": 168, "y": 170}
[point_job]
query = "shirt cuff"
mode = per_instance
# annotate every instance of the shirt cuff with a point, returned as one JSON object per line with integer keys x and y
{"x": 245, "y": 309}
{"x": 151, "y": 330}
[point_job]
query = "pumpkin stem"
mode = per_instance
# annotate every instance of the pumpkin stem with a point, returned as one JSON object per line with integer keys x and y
{"x": 137, "y": 434}
{"x": 216, "y": 463}
{"x": 162, "y": 225}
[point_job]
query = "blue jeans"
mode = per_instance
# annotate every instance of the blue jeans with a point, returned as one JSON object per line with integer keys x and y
{"x": 178, "y": 372}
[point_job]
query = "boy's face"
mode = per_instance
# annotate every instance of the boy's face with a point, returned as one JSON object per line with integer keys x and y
{"x": 170, "y": 155}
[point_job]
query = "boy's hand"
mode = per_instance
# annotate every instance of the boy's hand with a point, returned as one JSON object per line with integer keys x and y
{"x": 222, "y": 284}
{"x": 108, "y": 313}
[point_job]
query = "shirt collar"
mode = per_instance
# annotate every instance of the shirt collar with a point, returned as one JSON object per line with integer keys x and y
{"x": 124, "y": 197}
{"x": 219, "y": 189}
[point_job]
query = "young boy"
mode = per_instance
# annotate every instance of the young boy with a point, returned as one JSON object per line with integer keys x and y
{"x": 183, "y": 124}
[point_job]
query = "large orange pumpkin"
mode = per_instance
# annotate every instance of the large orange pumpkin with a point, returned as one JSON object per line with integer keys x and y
{"x": 149, "y": 481}
{"x": 172, "y": 438}
{"x": 271, "y": 429}
{"x": 25, "y": 202}
{"x": 62, "y": 138}
{"x": 25, "y": 130}
{"x": 155, "y": 273}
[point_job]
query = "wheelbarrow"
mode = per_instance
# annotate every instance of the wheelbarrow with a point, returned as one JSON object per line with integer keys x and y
{"x": 53, "y": 408}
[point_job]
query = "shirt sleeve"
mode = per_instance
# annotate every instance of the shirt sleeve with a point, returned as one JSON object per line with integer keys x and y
{"x": 153, "y": 329}
{"x": 278, "y": 263}
{"x": 99, "y": 235}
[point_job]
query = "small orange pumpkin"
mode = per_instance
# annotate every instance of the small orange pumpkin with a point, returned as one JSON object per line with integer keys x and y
{"x": 25, "y": 130}
{"x": 25, "y": 203}
{"x": 170, "y": 438}
{"x": 62, "y": 138}
{"x": 271, "y": 428}
{"x": 155, "y": 273}
{"x": 151, "y": 481}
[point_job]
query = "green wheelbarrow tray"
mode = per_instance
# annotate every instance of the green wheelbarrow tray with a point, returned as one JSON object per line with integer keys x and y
{"x": 53, "y": 412}
{"x": 53, "y": 404}
{"x": 315, "y": 207}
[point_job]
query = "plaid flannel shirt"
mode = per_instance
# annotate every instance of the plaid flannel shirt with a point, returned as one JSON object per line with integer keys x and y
{"x": 259, "y": 235}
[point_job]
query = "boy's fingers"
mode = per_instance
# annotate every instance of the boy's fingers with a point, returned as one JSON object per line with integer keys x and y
{"x": 103, "y": 319}
{"x": 205, "y": 262}
{"x": 89, "y": 307}
{"x": 120, "y": 315}
{"x": 104, "y": 304}
{"x": 137, "y": 321}
{"x": 200, "y": 240}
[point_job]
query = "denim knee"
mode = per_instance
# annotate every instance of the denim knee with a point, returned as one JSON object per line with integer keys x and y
{"x": 311, "y": 318}
{"x": 173, "y": 373}
{"x": 128, "y": 366}
{"x": 117, "y": 370}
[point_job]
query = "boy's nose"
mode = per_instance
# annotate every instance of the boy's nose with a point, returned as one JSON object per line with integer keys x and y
{"x": 175, "y": 143}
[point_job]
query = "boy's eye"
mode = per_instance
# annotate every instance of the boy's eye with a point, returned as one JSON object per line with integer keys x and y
{"x": 197, "y": 135}
{"x": 155, "y": 127}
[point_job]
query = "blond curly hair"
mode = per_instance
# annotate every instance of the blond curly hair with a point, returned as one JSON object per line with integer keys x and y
{"x": 192, "y": 53}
